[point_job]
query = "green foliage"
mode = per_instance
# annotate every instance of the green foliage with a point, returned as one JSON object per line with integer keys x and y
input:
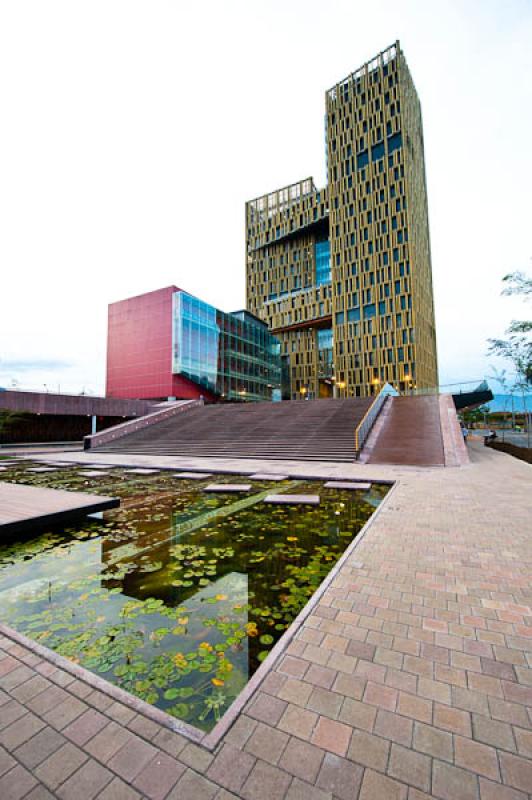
{"x": 517, "y": 283}
{"x": 475, "y": 415}
{"x": 517, "y": 347}
{"x": 9, "y": 419}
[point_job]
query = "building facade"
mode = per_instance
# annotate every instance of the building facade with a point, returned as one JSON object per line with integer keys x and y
{"x": 342, "y": 275}
{"x": 168, "y": 343}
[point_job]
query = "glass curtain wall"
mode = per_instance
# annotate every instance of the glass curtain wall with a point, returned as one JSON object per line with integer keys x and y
{"x": 231, "y": 355}
{"x": 322, "y": 256}
{"x": 196, "y": 340}
{"x": 325, "y": 352}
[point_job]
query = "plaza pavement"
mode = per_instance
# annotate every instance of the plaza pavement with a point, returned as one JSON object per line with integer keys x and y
{"x": 410, "y": 679}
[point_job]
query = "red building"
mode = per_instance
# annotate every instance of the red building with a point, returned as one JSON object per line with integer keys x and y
{"x": 168, "y": 343}
{"x": 139, "y": 350}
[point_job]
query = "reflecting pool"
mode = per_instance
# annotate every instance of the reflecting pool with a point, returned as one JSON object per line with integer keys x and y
{"x": 178, "y": 595}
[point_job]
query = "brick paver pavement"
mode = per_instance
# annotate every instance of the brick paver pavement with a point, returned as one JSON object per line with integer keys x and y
{"x": 411, "y": 679}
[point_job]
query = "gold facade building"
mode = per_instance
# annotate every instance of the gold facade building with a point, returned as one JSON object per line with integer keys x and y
{"x": 342, "y": 275}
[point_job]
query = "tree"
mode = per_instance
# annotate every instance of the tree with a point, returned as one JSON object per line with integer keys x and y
{"x": 517, "y": 283}
{"x": 517, "y": 347}
{"x": 474, "y": 415}
{"x": 9, "y": 418}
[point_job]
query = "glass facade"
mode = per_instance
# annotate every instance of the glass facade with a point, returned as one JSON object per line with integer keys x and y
{"x": 323, "y": 262}
{"x": 232, "y": 355}
{"x": 325, "y": 353}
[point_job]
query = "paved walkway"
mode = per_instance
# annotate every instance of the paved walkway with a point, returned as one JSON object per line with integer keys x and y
{"x": 411, "y": 679}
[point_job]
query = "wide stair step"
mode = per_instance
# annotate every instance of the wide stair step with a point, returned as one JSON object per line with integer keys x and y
{"x": 311, "y": 430}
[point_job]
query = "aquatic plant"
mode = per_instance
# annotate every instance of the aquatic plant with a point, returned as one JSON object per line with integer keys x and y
{"x": 180, "y": 615}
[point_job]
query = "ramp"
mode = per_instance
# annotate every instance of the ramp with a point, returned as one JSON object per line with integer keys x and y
{"x": 411, "y": 433}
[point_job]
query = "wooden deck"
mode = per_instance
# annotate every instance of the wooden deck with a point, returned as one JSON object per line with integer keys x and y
{"x": 24, "y": 508}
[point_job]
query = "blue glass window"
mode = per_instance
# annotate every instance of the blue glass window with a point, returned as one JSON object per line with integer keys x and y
{"x": 353, "y": 315}
{"x": 322, "y": 254}
{"x": 362, "y": 159}
{"x": 231, "y": 355}
{"x": 395, "y": 142}
{"x": 369, "y": 311}
{"x": 377, "y": 151}
{"x": 325, "y": 339}
{"x": 340, "y": 318}
{"x": 325, "y": 352}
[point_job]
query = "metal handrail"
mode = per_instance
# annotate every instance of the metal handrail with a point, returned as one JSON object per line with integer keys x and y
{"x": 365, "y": 425}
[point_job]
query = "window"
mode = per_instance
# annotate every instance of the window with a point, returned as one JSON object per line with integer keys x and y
{"x": 322, "y": 254}
{"x": 362, "y": 159}
{"x": 395, "y": 142}
{"x": 325, "y": 339}
{"x": 377, "y": 151}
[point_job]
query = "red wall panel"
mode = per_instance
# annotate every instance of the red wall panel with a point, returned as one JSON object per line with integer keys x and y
{"x": 139, "y": 350}
{"x": 139, "y": 346}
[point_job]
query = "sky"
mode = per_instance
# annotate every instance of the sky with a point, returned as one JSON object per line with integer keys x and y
{"x": 133, "y": 133}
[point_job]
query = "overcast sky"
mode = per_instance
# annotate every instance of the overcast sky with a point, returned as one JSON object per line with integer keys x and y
{"x": 132, "y": 133}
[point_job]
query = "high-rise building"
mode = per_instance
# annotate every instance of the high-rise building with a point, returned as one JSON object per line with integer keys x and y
{"x": 342, "y": 275}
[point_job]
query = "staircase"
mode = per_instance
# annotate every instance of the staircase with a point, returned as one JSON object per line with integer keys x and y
{"x": 306, "y": 430}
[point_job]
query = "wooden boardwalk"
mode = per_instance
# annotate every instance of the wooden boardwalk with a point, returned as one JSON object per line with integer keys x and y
{"x": 25, "y": 508}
